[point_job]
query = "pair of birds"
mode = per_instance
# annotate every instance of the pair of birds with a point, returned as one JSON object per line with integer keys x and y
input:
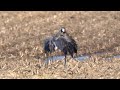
{"x": 62, "y": 41}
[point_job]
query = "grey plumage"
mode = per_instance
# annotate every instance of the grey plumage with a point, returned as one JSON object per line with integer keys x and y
{"x": 61, "y": 41}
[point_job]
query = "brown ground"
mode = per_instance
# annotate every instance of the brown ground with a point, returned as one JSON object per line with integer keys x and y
{"x": 22, "y": 35}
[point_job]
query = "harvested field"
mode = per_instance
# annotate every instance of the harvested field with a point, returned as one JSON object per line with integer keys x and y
{"x": 21, "y": 41}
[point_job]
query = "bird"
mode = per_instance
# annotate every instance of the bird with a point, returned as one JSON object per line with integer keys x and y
{"x": 61, "y": 41}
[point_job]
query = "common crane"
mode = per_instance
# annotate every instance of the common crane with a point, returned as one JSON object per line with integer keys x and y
{"x": 62, "y": 41}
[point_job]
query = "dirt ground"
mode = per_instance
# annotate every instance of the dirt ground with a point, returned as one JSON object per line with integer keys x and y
{"x": 21, "y": 41}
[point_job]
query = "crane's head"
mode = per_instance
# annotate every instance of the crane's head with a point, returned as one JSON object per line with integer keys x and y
{"x": 62, "y": 30}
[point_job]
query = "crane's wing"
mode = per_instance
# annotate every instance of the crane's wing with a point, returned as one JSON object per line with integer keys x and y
{"x": 49, "y": 45}
{"x": 73, "y": 42}
{"x": 70, "y": 48}
{"x": 46, "y": 45}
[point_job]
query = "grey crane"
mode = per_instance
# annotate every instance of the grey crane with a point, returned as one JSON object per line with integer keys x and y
{"x": 62, "y": 41}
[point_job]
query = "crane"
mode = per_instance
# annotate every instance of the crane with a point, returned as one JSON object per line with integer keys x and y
{"x": 62, "y": 41}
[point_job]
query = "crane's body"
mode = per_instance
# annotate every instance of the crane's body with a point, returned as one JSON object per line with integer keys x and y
{"x": 61, "y": 41}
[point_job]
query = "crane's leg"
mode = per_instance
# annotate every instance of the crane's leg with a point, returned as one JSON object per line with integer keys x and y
{"x": 76, "y": 55}
{"x": 65, "y": 53}
{"x": 46, "y": 61}
{"x": 51, "y": 61}
{"x": 65, "y": 62}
